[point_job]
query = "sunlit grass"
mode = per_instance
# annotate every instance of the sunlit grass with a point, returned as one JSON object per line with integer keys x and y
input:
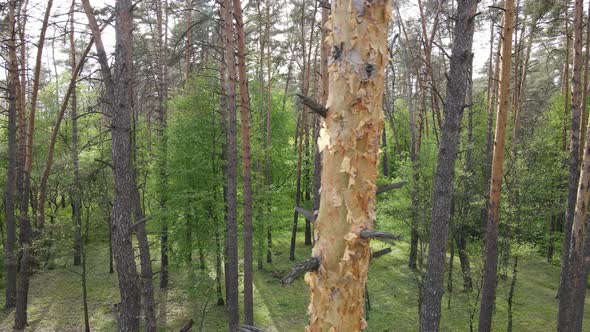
{"x": 56, "y": 297}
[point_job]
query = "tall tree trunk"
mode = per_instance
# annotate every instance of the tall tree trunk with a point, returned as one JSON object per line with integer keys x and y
{"x": 569, "y": 318}
{"x": 26, "y": 233}
{"x": 246, "y": 163}
{"x": 268, "y": 131}
{"x": 10, "y": 257}
{"x": 299, "y": 145}
{"x": 586, "y": 60}
{"x": 118, "y": 87}
{"x": 350, "y": 142}
{"x": 460, "y": 233}
{"x": 323, "y": 99}
{"x": 445, "y": 172}
{"x": 76, "y": 188}
{"x": 162, "y": 44}
{"x": 491, "y": 261}
{"x": 494, "y": 73}
{"x": 231, "y": 271}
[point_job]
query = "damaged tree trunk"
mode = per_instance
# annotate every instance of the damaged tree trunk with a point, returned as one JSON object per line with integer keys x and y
{"x": 349, "y": 140}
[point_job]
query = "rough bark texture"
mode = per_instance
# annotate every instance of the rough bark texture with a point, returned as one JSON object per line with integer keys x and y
{"x": 349, "y": 141}
{"x": 231, "y": 272}
{"x": 117, "y": 88}
{"x": 162, "y": 44}
{"x": 567, "y": 312}
{"x": 246, "y": 163}
{"x": 10, "y": 259}
{"x": 491, "y": 261}
{"x": 460, "y": 61}
{"x": 123, "y": 170}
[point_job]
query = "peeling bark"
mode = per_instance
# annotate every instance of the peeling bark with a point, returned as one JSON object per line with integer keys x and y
{"x": 349, "y": 140}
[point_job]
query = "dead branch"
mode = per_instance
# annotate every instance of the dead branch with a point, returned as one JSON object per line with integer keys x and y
{"x": 387, "y": 187}
{"x": 311, "y": 264}
{"x": 188, "y": 326}
{"x": 381, "y": 252}
{"x": 306, "y": 213}
{"x": 313, "y": 105}
{"x": 378, "y": 235}
{"x": 250, "y": 328}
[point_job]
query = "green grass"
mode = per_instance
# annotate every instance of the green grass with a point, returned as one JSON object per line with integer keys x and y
{"x": 55, "y": 297}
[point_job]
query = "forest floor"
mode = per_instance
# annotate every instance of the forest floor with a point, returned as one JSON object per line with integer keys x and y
{"x": 55, "y": 299}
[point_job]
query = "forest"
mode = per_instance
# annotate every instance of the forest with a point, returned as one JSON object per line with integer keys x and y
{"x": 294, "y": 165}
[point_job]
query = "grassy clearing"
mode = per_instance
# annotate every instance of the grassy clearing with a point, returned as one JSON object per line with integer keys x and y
{"x": 56, "y": 301}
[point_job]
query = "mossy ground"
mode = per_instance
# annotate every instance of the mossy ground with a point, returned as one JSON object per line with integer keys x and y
{"x": 55, "y": 302}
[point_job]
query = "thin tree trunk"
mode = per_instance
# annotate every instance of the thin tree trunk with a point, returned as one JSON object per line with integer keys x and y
{"x": 323, "y": 99}
{"x": 430, "y": 311}
{"x": 76, "y": 190}
{"x": 491, "y": 261}
{"x": 492, "y": 103}
{"x": 350, "y": 165}
{"x": 10, "y": 257}
{"x": 161, "y": 46}
{"x": 189, "y": 40}
{"x": 511, "y": 293}
{"x": 298, "y": 143}
{"x": 268, "y": 175}
{"x": 50, "y": 154}
{"x": 586, "y": 60}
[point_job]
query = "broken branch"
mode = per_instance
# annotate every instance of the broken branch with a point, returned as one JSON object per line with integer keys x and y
{"x": 250, "y": 328}
{"x": 188, "y": 326}
{"x": 311, "y": 264}
{"x": 378, "y": 235}
{"x": 381, "y": 252}
{"x": 387, "y": 187}
{"x": 313, "y": 105}
{"x": 306, "y": 213}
